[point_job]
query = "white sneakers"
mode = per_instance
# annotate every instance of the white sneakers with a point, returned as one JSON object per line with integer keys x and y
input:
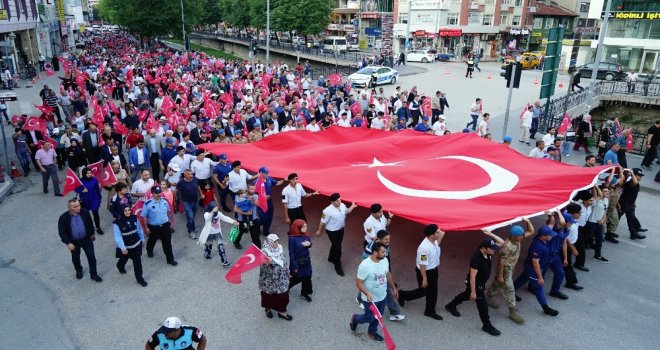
{"x": 397, "y": 317}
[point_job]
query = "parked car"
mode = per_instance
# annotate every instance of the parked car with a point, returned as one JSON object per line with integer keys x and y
{"x": 606, "y": 71}
{"x": 445, "y": 57}
{"x": 335, "y": 43}
{"x": 384, "y": 75}
{"x": 420, "y": 56}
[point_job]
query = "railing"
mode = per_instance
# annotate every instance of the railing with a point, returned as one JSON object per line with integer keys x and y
{"x": 554, "y": 115}
{"x": 340, "y": 57}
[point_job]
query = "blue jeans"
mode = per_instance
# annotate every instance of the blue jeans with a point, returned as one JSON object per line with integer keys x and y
{"x": 266, "y": 218}
{"x": 190, "y": 208}
{"x": 24, "y": 159}
{"x": 566, "y": 147}
{"x": 475, "y": 118}
{"x": 390, "y": 302}
{"x": 368, "y": 316}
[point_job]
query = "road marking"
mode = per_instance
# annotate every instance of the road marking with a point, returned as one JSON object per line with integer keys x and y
{"x": 632, "y": 243}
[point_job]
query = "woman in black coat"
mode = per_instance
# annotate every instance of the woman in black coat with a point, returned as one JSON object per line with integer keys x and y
{"x": 76, "y": 156}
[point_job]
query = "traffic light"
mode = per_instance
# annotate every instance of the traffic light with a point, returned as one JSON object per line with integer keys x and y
{"x": 255, "y": 47}
{"x": 506, "y": 73}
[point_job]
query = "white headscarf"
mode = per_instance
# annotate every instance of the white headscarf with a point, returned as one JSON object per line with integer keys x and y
{"x": 276, "y": 254}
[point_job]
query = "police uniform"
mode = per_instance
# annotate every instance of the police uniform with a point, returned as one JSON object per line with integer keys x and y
{"x": 266, "y": 218}
{"x": 222, "y": 171}
{"x": 292, "y": 197}
{"x": 428, "y": 254}
{"x": 189, "y": 335}
{"x": 335, "y": 220}
{"x": 538, "y": 250}
{"x": 128, "y": 235}
{"x": 556, "y": 258}
{"x": 371, "y": 227}
{"x": 155, "y": 214}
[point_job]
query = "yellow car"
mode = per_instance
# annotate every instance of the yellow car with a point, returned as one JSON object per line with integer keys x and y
{"x": 528, "y": 61}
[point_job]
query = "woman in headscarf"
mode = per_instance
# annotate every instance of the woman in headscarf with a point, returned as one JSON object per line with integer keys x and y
{"x": 301, "y": 264}
{"x": 583, "y": 134}
{"x": 212, "y": 232}
{"x": 274, "y": 279}
{"x": 129, "y": 238}
{"x": 75, "y": 156}
{"x": 90, "y": 196}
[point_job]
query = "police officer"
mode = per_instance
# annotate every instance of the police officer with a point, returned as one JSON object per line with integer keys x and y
{"x": 292, "y": 196}
{"x": 628, "y": 204}
{"x": 130, "y": 239}
{"x": 428, "y": 260}
{"x": 481, "y": 264}
{"x": 558, "y": 253}
{"x": 538, "y": 257}
{"x": 266, "y": 218}
{"x": 175, "y": 336}
{"x": 157, "y": 222}
{"x": 333, "y": 220}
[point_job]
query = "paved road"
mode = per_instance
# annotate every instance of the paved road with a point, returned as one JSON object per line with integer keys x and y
{"x": 45, "y": 307}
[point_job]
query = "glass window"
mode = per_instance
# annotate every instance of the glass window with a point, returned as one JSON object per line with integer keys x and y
{"x": 473, "y": 18}
{"x": 490, "y": 2}
{"x": 403, "y": 17}
{"x": 549, "y": 22}
{"x": 584, "y": 7}
{"x": 507, "y": 2}
{"x": 538, "y": 22}
{"x": 515, "y": 21}
{"x": 505, "y": 18}
{"x": 487, "y": 20}
{"x": 453, "y": 18}
{"x": 519, "y": 2}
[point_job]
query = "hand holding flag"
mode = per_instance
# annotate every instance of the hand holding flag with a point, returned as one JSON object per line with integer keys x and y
{"x": 252, "y": 258}
{"x": 388, "y": 339}
{"x": 72, "y": 182}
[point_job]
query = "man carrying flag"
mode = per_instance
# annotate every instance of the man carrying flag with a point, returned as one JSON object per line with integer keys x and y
{"x": 263, "y": 188}
{"x": 372, "y": 278}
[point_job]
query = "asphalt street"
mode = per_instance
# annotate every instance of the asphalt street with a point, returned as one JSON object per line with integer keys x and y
{"x": 43, "y": 306}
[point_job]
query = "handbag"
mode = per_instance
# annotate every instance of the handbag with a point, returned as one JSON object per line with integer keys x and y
{"x": 233, "y": 234}
{"x": 570, "y": 136}
{"x": 602, "y": 144}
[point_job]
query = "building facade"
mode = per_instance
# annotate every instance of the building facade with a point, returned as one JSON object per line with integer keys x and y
{"x": 18, "y": 22}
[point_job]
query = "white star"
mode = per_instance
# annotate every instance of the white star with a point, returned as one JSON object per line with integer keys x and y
{"x": 377, "y": 163}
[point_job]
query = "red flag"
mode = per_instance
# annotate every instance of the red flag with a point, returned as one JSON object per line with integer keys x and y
{"x": 72, "y": 182}
{"x": 565, "y": 125}
{"x": 355, "y": 109}
{"x": 252, "y": 258}
{"x": 426, "y": 108}
{"x": 119, "y": 127}
{"x": 386, "y": 334}
{"x": 44, "y": 109}
{"x": 108, "y": 176}
{"x": 113, "y": 107}
{"x": 151, "y": 123}
{"x": 97, "y": 117}
{"x": 262, "y": 198}
{"x": 51, "y": 141}
{"x": 334, "y": 79}
{"x": 35, "y": 124}
{"x": 50, "y": 72}
{"x": 97, "y": 169}
{"x": 493, "y": 188}
{"x": 136, "y": 209}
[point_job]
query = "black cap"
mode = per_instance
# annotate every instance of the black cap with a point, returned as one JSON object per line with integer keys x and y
{"x": 292, "y": 176}
{"x": 334, "y": 197}
{"x": 489, "y": 243}
{"x": 156, "y": 189}
{"x": 430, "y": 229}
{"x": 374, "y": 208}
{"x": 638, "y": 171}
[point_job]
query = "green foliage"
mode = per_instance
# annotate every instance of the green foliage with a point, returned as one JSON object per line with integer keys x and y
{"x": 237, "y": 12}
{"x": 208, "y": 51}
{"x": 151, "y": 18}
{"x": 212, "y": 12}
{"x": 306, "y": 17}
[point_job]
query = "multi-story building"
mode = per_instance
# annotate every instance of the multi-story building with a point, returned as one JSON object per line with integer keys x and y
{"x": 18, "y": 22}
{"x": 632, "y": 38}
{"x": 345, "y": 20}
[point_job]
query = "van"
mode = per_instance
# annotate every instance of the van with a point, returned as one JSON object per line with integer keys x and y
{"x": 335, "y": 43}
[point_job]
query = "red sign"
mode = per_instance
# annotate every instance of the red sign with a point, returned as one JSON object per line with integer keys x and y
{"x": 460, "y": 181}
{"x": 451, "y": 32}
{"x": 420, "y": 33}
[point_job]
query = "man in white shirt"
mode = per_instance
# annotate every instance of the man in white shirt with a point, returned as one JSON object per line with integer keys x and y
{"x": 483, "y": 126}
{"x": 333, "y": 220}
{"x": 587, "y": 200}
{"x": 378, "y": 123}
{"x": 313, "y": 126}
{"x": 428, "y": 260}
{"x": 343, "y": 121}
{"x": 292, "y": 196}
{"x": 142, "y": 185}
{"x": 549, "y": 138}
{"x": 270, "y": 128}
{"x": 538, "y": 151}
{"x": 238, "y": 178}
{"x": 526, "y": 124}
{"x": 439, "y": 127}
{"x": 375, "y": 222}
{"x": 202, "y": 167}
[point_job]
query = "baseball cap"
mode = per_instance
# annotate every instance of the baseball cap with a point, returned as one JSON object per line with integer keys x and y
{"x": 223, "y": 156}
{"x": 638, "y": 171}
{"x": 56, "y": 130}
{"x": 516, "y": 231}
{"x": 569, "y": 218}
{"x": 157, "y": 189}
{"x": 263, "y": 170}
{"x": 490, "y": 243}
{"x": 441, "y": 116}
{"x": 334, "y": 197}
{"x": 237, "y": 132}
{"x": 169, "y": 140}
{"x": 551, "y": 149}
{"x": 507, "y": 139}
{"x": 170, "y": 324}
{"x": 545, "y": 230}
{"x": 174, "y": 166}
{"x": 425, "y": 118}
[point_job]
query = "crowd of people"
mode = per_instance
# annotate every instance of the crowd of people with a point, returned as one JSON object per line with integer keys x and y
{"x": 170, "y": 103}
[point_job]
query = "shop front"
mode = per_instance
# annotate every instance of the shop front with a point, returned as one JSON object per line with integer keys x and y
{"x": 514, "y": 41}
{"x": 450, "y": 39}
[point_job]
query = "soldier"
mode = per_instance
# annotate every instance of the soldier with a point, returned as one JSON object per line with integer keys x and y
{"x": 509, "y": 255}
{"x": 333, "y": 220}
{"x": 614, "y": 184}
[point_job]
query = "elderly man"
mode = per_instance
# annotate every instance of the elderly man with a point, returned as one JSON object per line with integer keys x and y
{"x": 45, "y": 159}
{"x": 77, "y": 232}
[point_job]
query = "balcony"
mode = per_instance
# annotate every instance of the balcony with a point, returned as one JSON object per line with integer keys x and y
{"x": 376, "y": 6}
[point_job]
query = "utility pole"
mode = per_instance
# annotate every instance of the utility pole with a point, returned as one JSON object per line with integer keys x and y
{"x": 267, "y": 32}
{"x": 599, "y": 54}
{"x": 508, "y": 99}
{"x": 183, "y": 27}
{"x": 405, "y": 45}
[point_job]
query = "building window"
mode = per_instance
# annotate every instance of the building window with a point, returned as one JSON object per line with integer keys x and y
{"x": 452, "y": 19}
{"x": 487, "y": 20}
{"x": 490, "y": 2}
{"x": 584, "y": 7}
{"x": 516, "y": 21}
{"x": 538, "y": 22}
{"x": 473, "y": 18}
{"x": 549, "y": 23}
{"x": 519, "y": 3}
{"x": 507, "y": 2}
{"x": 505, "y": 19}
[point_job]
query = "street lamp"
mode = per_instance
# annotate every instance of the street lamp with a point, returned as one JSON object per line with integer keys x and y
{"x": 267, "y": 32}
{"x": 183, "y": 27}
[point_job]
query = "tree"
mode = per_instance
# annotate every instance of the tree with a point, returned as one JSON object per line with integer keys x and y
{"x": 212, "y": 14}
{"x": 306, "y": 17}
{"x": 236, "y": 12}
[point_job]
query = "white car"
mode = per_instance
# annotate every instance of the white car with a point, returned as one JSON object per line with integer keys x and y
{"x": 384, "y": 75}
{"x": 420, "y": 56}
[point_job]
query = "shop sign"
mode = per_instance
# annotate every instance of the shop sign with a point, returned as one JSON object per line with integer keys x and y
{"x": 373, "y": 31}
{"x": 60, "y": 10}
{"x": 3, "y": 14}
{"x": 537, "y": 33}
{"x": 446, "y": 32}
{"x": 633, "y": 15}
{"x": 420, "y": 33}
{"x": 369, "y": 15}
{"x": 569, "y": 42}
{"x": 333, "y": 26}
{"x": 349, "y": 28}
{"x": 519, "y": 32}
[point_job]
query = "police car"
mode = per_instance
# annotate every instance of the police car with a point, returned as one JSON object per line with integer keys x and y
{"x": 384, "y": 75}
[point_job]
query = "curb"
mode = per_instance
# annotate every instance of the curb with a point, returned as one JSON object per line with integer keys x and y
{"x": 6, "y": 188}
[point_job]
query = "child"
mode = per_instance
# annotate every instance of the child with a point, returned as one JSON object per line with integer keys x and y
{"x": 208, "y": 192}
{"x": 173, "y": 176}
{"x": 212, "y": 231}
{"x": 80, "y": 122}
{"x": 119, "y": 199}
{"x": 167, "y": 194}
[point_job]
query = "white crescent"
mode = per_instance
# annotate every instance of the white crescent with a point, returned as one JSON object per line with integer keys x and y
{"x": 251, "y": 257}
{"x": 73, "y": 181}
{"x": 106, "y": 176}
{"x": 501, "y": 180}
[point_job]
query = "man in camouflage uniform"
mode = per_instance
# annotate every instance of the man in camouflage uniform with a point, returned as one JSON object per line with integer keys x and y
{"x": 614, "y": 184}
{"x": 509, "y": 254}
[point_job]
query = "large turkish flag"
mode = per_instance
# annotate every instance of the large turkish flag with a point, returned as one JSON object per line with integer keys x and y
{"x": 458, "y": 181}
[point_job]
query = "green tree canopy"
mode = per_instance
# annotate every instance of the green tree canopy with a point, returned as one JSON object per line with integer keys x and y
{"x": 306, "y": 17}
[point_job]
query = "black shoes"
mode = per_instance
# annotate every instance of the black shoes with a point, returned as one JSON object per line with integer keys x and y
{"x": 353, "y": 324}
{"x": 150, "y": 254}
{"x": 79, "y": 275}
{"x": 339, "y": 271}
{"x": 269, "y": 313}
{"x": 173, "y": 262}
{"x": 518, "y": 298}
{"x": 637, "y": 236}
{"x": 611, "y": 239}
{"x": 287, "y": 317}
{"x": 99, "y": 231}
{"x": 45, "y": 190}
{"x": 559, "y": 295}
{"x": 488, "y": 328}
{"x": 59, "y": 195}
{"x": 452, "y": 310}
{"x": 96, "y": 278}
{"x": 581, "y": 268}
{"x": 601, "y": 259}
{"x": 143, "y": 283}
{"x": 434, "y": 316}
{"x": 121, "y": 270}
{"x": 550, "y": 311}
{"x": 307, "y": 298}
{"x": 642, "y": 230}
{"x": 574, "y": 287}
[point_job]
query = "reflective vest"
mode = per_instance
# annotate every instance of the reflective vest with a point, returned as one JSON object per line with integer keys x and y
{"x": 183, "y": 342}
{"x": 128, "y": 229}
